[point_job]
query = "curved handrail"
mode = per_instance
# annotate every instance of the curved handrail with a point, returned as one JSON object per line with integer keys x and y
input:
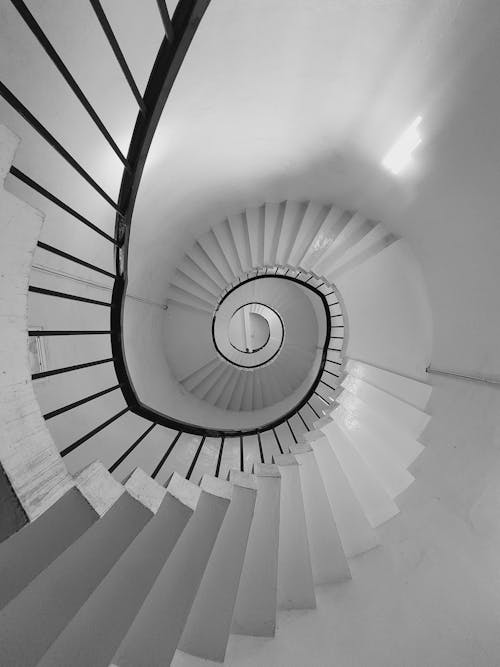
{"x": 139, "y": 408}
{"x": 170, "y": 56}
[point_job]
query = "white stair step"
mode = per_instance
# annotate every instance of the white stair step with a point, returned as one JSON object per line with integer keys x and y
{"x": 330, "y": 228}
{"x": 193, "y": 379}
{"x": 397, "y": 444}
{"x": 328, "y": 561}
{"x": 391, "y": 408}
{"x": 211, "y": 381}
{"x": 255, "y": 226}
{"x": 187, "y": 284}
{"x": 373, "y": 498}
{"x": 295, "y": 579}
{"x": 256, "y": 601}
{"x": 314, "y": 216}
{"x": 406, "y": 389}
{"x": 247, "y": 399}
{"x": 393, "y": 477}
{"x": 115, "y": 602}
{"x": 186, "y": 298}
{"x": 258, "y": 398}
{"x": 213, "y": 395}
{"x": 42, "y": 541}
{"x": 356, "y": 533}
{"x": 216, "y": 255}
{"x": 193, "y": 271}
{"x": 228, "y": 392}
{"x": 357, "y": 228}
{"x": 156, "y": 630}
{"x": 367, "y": 237}
{"x": 292, "y": 217}
{"x": 239, "y": 390}
{"x": 209, "y": 622}
{"x": 272, "y": 228}
{"x": 223, "y": 234}
{"x": 32, "y": 621}
{"x": 364, "y": 254}
{"x": 239, "y": 231}
{"x": 198, "y": 255}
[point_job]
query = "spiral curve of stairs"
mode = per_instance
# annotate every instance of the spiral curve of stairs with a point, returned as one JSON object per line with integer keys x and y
{"x": 127, "y": 573}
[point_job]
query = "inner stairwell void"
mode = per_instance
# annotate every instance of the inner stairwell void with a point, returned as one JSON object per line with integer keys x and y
{"x": 180, "y": 485}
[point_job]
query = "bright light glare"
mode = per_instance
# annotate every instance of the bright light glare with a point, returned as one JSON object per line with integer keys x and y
{"x": 400, "y": 154}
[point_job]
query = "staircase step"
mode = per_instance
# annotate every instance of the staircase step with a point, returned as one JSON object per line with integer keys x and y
{"x": 29, "y": 551}
{"x": 330, "y": 228}
{"x": 292, "y": 217}
{"x": 407, "y": 417}
{"x": 214, "y": 252}
{"x": 199, "y": 256}
{"x": 255, "y": 226}
{"x": 157, "y": 628}
{"x": 225, "y": 239}
{"x": 272, "y": 226}
{"x": 33, "y": 620}
{"x": 411, "y": 391}
{"x": 356, "y": 533}
{"x": 237, "y": 224}
{"x": 373, "y": 498}
{"x": 96, "y": 631}
{"x": 314, "y": 216}
{"x": 295, "y": 578}
{"x": 209, "y": 622}
{"x": 328, "y": 561}
{"x": 256, "y": 601}
{"x": 393, "y": 477}
{"x": 396, "y": 443}
{"x": 184, "y": 298}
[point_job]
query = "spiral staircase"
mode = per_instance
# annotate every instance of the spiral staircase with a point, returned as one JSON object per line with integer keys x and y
{"x": 137, "y": 533}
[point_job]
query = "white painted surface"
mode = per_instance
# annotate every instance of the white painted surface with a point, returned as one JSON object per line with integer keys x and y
{"x": 407, "y": 389}
{"x": 207, "y": 628}
{"x": 256, "y": 601}
{"x": 356, "y": 533}
{"x": 371, "y": 494}
{"x": 328, "y": 561}
{"x": 99, "y": 487}
{"x": 393, "y": 409}
{"x": 27, "y": 452}
{"x": 295, "y": 578}
{"x": 157, "y": 628}
{"x": 396, "y": 443}
{"x": 426, "y": 596}
{"x": 143, "y": 488}
{"x": 393, "y": 476}
{"x": 95, "y": 632}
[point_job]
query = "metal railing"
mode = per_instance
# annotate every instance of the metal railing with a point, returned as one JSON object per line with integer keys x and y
{"x": 179, "y": 32}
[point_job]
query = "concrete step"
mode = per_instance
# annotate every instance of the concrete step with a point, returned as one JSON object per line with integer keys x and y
{"x": 356, "y": 532}
{"x": 29, "y": 551}
{"x": 407, "y": 389}
{"x": 295, "y": 578}
{"x": 209, "y": 622}
{"x": 34, "y": 619}
{"x": 157, "y": 628}
{"x": 94, "y": 634}
{"x": 328, "y": 561}
{"x": 377, "y": 505}
{"x": 256, "y": 601}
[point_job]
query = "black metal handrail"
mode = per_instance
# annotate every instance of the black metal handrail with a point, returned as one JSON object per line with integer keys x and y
{"x": 179, "y": 32}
